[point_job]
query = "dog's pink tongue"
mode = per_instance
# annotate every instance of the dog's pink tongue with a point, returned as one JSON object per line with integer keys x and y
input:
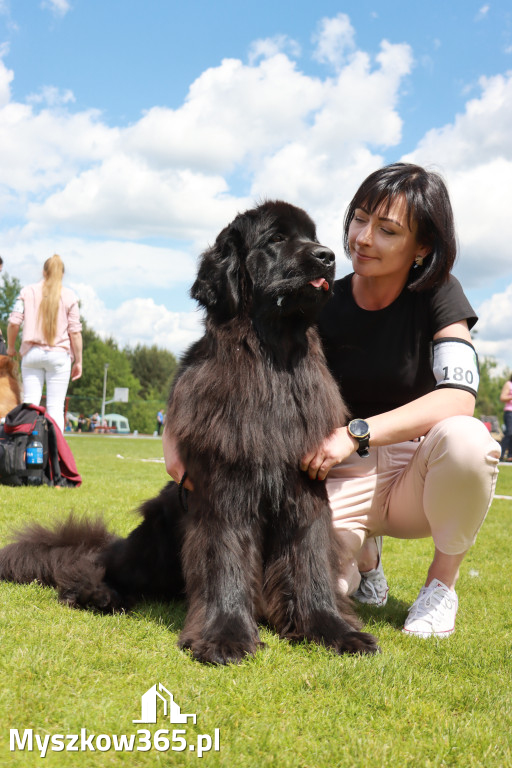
{"x": 320, "y": 282}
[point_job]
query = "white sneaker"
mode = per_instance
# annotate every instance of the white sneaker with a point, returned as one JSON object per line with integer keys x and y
{"x": 433, "y": 612}
{"x": 373, "y": 588}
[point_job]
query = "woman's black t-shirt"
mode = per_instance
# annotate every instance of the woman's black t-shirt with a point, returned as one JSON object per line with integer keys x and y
{"x": 382, "y": 359}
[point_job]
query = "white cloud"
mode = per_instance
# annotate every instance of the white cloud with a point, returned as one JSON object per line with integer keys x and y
{"x": 233, "y": 114}
{"x": 41, "y": 150}
{"x": 496, "y": 317}
{"x": 51, "y": 96}
{"x": 481, "y": 133}
{"x": 168, "y": 174}
{"x": 124, "y": 198}
{"x": 494, "y": 338}
{"x": 335, "y": 40}
{"x": 474, "y": 153}
{"x": 481, "y": 201}
{"x": 270, "y": 46}
{"x": 482, "y": 12}
{"x": 109, "y": 265}
{"x": 57, "y": 7}
{"x": 317, "y": 166}
{"x": 140, "y": 321}
{"x": 6, "y": 77}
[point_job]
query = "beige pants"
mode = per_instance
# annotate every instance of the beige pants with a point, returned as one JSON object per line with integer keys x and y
{"x": 441, "y": 486}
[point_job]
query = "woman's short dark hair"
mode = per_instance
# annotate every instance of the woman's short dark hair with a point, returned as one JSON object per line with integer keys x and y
{"x": 428, "y": 205}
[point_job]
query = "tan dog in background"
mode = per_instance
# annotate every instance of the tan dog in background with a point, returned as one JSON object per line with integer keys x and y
{"x": 10, "y": 393}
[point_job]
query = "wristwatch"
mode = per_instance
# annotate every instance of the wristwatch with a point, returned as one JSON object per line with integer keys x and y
{"x": 360, "y": 429}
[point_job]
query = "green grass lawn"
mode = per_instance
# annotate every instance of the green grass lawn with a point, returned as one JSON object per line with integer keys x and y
{"x": 419, "y": 703}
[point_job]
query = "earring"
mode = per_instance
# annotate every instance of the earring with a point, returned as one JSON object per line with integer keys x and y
{"x": 418, "y": 261}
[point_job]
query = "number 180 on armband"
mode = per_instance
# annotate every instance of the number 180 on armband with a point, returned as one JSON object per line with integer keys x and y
{"x": 455, "y": 364}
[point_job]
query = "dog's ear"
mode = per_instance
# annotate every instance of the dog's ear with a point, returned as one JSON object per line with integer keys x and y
{"x": 217, "y": 286}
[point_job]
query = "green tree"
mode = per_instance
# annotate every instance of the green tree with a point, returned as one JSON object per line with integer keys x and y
{"x": 488, "y": 399}
{"x": 140, "y": 413}
{"x": 86, "y": 393}
{"x": 154, "y": 368}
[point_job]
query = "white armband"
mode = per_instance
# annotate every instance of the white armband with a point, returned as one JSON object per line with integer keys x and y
{"x": 455, "y": 364}
{"x": 19, "y": 306}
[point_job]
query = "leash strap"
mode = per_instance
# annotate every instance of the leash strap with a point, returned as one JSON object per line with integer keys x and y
{"x": 183, "y": 493}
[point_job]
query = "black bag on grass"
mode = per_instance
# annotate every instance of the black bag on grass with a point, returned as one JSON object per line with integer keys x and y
{"x": 58, "y": 464}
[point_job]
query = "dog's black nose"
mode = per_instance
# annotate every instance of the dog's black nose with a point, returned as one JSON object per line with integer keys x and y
{"x": 323, "y": 254}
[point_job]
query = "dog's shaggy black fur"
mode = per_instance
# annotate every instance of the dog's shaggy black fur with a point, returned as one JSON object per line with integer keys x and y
{"x": 252, "y": 397}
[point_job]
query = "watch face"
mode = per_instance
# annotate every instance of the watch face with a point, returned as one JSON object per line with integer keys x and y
{"x": 358, "y": 427}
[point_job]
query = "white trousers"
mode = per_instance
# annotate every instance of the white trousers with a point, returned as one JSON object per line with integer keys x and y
{"x": 54, "y": 366}
{"x": 441, "y": 487}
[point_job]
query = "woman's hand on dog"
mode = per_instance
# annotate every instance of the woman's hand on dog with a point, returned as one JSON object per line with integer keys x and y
{"x": 173, "y": 463}
{"x": 334, "y": 449}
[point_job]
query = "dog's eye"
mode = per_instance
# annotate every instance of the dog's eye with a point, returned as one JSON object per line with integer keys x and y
{"x": 277, "y": 238}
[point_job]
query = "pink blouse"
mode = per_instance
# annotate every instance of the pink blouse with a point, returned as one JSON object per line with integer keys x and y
{"x": 508, "y": 404}
{"x": 26, "y": 311}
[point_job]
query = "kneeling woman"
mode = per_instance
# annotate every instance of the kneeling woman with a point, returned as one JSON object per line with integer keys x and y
{"x": 396, "y": 336}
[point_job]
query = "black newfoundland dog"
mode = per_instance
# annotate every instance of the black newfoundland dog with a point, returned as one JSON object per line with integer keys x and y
{"x": 254, "y": 540}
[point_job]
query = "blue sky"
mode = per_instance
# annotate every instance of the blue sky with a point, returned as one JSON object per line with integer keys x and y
{"x": 131, "y": 132}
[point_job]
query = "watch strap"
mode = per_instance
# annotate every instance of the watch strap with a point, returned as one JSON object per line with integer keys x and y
{"x": 364, "y": 449}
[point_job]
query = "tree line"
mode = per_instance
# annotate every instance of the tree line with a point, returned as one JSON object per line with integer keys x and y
{"x": 148, "y": 371}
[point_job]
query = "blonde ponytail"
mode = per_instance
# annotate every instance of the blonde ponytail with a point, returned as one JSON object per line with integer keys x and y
{"x": 53, "y": 271}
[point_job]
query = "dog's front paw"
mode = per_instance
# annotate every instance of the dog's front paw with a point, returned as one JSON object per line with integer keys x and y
{"x": 221, "y": 652}
{"x": 227, "y": 639}
{"x": 333, "y": 631}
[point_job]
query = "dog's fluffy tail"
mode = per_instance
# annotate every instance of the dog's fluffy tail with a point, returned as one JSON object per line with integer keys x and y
{"x": 65, "y": 557}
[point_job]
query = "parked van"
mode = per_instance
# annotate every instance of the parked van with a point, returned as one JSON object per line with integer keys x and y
{"x": 120, "y": 423}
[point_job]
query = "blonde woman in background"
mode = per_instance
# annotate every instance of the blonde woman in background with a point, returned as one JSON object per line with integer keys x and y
{"x": 51, "y": 347}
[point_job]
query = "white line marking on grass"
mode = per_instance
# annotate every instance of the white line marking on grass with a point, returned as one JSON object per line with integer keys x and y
{"x": 154, "y": 461}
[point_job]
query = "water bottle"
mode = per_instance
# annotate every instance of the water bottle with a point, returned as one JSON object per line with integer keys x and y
{"x": 34, "y": 459}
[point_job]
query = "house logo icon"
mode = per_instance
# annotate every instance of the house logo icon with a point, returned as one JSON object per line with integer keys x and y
{"x": 149, "y": 706}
